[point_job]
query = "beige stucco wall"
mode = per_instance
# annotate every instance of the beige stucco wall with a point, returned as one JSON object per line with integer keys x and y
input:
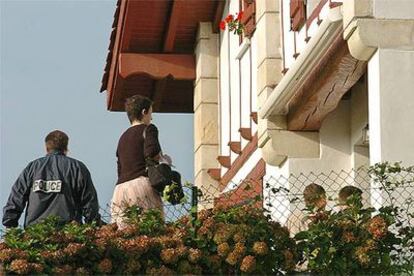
{"x": 359, "y": 110}
{"x": 369, "y": 25}
{"x": 359, "y": 148}
{"x": 397, "y": 9}
{"x": 378, "y": 31}
{"x": 335, "y": 147}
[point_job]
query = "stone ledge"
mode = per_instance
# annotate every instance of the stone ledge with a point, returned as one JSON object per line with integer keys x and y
{"x": 365, "y": 35}
{"x": 204, "y": 31}
{"x": 205, "y": 158}
{"x": 268, "y": 37}
{"x": 206, "y": 125}
{"x": 352, "y": 9}
{"x": 266, "y": 6}
{"x": 285, "y": 144}
{"x": 269, "y": 73}
{"x": 205, "y": 92}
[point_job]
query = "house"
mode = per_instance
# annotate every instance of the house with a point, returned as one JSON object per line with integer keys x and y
{"x": 311, "y": 86}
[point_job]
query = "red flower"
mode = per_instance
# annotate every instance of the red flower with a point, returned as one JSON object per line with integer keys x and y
{"x": 222, "y": 25}
{"x": 240, "y": 15}
{"x": 229, "y": 18}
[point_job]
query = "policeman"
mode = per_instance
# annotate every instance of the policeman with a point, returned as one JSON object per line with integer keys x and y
{"x": 53, "y": 185}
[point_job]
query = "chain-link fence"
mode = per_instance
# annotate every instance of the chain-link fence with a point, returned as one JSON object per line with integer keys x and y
{"x": 282, "y": 196}
{"x": 171, "y": 212}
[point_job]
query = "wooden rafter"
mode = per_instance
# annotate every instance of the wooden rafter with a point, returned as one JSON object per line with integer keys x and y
{"x": 218, "y": 15}
{"x": 246, "y": 133}
{"x": 114, "y": 60}
{"x": 171, "y": 32}
{"x": 159, "y": 88}
{"x": 235, "y": 147}
{"x": 320, "y": 94}
{"x": 253, "y": 115}
{"x": 225, "y": 161}
{"x": 156, "y": 27}
{"x": 239, "y": 162}
{"x": 214, "y": 173}
{"x": 157, "y": 66}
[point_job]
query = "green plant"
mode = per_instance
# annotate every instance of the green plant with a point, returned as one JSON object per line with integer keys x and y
{"x": 40, "y": 246}
{"x": 174, "y": 194}
{"x": 347, "y": 243}
{"x": 390, "y": 177}
{"x": 231, "y": 240}
{"x": 148, "y": 222}
{"x": 360, "y": 240}
{"x": 226, "y": 240}
{"x": 241, "y": 239}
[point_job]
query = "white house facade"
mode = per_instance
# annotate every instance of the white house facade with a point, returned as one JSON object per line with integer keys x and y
{"x": 312, "y": 86}
{"x": 318, "y": 86}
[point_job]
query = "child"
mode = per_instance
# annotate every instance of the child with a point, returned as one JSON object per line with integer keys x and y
{"x": 315, "y": 200}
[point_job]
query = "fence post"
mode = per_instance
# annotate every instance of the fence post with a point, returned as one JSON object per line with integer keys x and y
{"x": 194, "y": 207}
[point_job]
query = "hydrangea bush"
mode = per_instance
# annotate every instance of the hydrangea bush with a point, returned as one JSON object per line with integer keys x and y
{"x": 224, "y": 241}
{"x": 364, "y": 241}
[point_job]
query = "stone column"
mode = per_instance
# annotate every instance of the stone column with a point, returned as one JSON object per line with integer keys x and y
{"x": 206, "y": 144}
{"x": 269, "y": 64}
{"x": 391, "y": 106}
{"x": 391, "y": 113}
{"x": 381, "y": 32}
{"x": 276, "y": 141}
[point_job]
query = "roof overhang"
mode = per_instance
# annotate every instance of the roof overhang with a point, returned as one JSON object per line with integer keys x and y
{"x": 151, "y": 51}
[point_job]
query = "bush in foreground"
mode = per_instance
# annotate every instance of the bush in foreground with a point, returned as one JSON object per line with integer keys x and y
{"x": 224, "y": 241}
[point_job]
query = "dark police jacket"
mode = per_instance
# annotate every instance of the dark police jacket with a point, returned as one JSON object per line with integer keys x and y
{"x": 52, "y": 185}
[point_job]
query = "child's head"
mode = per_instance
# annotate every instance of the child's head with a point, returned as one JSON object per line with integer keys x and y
{"x": 348, "y": 192}
{"x": 315, "y": 196}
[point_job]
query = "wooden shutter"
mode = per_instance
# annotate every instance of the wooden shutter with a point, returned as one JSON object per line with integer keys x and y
{"x": 297, "y": 14}
{"x": 249, "y": 17}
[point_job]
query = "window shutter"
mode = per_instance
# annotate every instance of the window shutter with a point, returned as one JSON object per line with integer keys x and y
{"x": 297, "y": 14}
{"x": 249, "y": 17}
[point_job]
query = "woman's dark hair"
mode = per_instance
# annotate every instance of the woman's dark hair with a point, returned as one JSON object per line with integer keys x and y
{"x": 57, "y": 141}
{"x": 135, "y": 105}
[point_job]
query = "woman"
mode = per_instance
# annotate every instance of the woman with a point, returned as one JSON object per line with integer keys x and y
{"x": 133, "y": 186}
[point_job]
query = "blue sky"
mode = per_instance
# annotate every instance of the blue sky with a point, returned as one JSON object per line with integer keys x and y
{"x": 52, "y": 59}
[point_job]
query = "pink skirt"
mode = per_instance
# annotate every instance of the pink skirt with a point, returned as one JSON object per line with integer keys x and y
{"x": 137, "y": 191}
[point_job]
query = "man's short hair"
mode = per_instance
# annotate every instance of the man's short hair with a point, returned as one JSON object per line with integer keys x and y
{"x": 135, "y": 105}
{"x": 313, "y": 192}
{"x": 349, "y": 191}
{"x": 57, "y": 141}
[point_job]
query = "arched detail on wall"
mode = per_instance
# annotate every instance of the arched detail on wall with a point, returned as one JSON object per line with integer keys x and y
{"x": 158, "y": 66}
